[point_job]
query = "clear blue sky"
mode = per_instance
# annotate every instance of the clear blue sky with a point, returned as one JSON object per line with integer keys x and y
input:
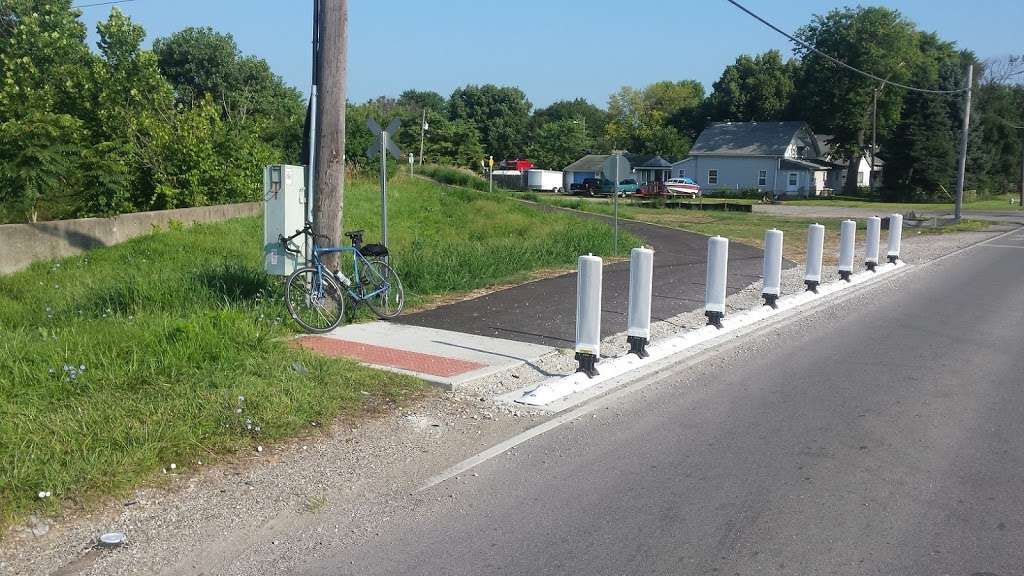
{"x": 551, "y": 49}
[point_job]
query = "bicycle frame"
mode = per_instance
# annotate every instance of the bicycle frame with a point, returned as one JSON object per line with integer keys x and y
{"x": 357, "y": 257}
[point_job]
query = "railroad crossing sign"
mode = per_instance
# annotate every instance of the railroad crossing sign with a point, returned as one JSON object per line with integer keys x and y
{"x": 383, "y": 138}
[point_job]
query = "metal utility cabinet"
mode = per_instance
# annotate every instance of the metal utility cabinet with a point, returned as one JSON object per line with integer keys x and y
{"x": 284, "y": 213}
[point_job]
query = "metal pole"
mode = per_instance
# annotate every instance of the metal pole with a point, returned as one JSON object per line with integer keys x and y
{"x": 963, "y": 144}
{"x": 874, "y": 137}
{"x": 490, "y": 179}
{"x": 615, "y": 203}
{"x": 384, "y": 186}
{"x": 423, "y": 133}
{"x": 1020, "y": 205}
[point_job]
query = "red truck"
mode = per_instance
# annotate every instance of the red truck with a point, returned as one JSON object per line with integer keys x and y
{"x": 520, "y": 165}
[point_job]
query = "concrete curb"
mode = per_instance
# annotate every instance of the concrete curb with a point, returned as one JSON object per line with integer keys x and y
{"x": 559, "y": 387}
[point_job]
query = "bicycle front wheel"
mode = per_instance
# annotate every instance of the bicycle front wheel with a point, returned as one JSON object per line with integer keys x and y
{"x": 388, "y": 295}
{"x": 314, "y": 300}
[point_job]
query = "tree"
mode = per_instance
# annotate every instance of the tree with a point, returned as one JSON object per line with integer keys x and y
{"x": 578, "y": 110}
{"x": 456, "y": 143}
{"x": 653, "y": 120}
{"x": 558, "y": 144}
{"x": 838, "y": 101}
{"x": 500, "y": 116}
{"x": 921, "y": 156}
{"x": 201, "y": 62}
{"x": 40, "y": 153}
{"x": 758, "y": 88}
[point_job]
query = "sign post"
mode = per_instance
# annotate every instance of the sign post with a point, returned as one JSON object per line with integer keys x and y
{"x": 490, "y": 174}
{"x": 412, "y": 162}
{"x": 383, "y": 146}
{"x": 614, "y": 166}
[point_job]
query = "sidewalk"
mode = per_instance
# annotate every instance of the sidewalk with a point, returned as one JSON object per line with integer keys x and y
{"x": 441, "y": 357}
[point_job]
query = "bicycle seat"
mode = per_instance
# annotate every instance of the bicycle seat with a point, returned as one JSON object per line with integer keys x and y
{"x": 355, "y": 234}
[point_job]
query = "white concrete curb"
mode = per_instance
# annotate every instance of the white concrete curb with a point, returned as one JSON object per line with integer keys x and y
{"x": 559, "y": 387}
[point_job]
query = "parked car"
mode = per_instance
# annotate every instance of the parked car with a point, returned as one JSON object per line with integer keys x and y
{"x": 683, "y": 186}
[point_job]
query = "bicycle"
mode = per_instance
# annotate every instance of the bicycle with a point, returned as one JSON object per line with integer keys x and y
{"x": 315, "y": 296}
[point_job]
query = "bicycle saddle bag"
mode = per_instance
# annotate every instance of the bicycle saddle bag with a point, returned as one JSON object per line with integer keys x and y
{"x": 374, "y": 250}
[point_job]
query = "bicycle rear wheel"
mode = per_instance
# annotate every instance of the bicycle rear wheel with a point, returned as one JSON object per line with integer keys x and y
{"x": 389, "y": 302}
{"x": 314, "y": 300}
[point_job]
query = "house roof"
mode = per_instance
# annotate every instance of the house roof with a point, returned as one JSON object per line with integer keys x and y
{"x": 806, "y": 164}
{"x": 747, "y": 138}
{"x": 589, "y": 163}
{"x": 655, "y": 161}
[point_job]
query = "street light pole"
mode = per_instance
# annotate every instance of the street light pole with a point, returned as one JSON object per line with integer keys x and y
{"x": 874, "y": 137}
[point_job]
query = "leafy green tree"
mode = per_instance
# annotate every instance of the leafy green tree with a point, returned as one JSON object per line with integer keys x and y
{"x": 44, "y": 61}
{"x": 754, "y": 88}
{"x": 651, "y": 120}
{"x": 40, "y": 152}
{"x": 500, "y": 116}
{"x": 454, "y": 142}
{"x": 921, "y": 157}
{"x": 578, "y": 110}
{"x": 419, "y": 100}
{"x": 558, "y": 144}
{"x": 837, "y": 101}
{"x": 201, "y": 62}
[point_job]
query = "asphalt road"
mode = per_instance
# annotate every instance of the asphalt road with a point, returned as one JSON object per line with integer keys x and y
{"x": 544, "y": 312}
{"x": 881, "y": 435}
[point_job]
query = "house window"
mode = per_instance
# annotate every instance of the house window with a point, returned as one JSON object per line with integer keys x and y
{"x": 762, "y": 178}
{"x": 682, "y": 172}
{"x": 860, "y": 178}
{"x": 712, "y": 176}
{"x": 800, "y": 151}
{"x": 792, "y": 179}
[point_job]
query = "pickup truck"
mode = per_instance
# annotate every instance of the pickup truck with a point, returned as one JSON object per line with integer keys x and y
{"x": 626, "y": 187}
{"x": 589, "y": 187}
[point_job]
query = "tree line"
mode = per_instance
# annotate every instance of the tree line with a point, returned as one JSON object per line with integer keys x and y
{"x": 192, "y": 121}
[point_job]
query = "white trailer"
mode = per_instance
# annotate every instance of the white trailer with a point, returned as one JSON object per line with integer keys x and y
{"x": 544, "y": 180}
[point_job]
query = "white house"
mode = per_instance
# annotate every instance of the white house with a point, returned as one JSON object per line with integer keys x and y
{"x": 781, "y": 158}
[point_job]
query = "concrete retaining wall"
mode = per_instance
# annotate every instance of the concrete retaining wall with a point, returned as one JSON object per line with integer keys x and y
{"x": 22, "y": 244}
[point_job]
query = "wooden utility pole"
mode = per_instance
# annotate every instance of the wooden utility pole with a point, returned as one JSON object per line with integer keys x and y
{"x": 331, "y": 66}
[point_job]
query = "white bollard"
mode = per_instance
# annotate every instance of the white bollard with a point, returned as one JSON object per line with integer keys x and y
{"x": 847, "y": 242}
{"x": 895, "y": 236}
{"x": 815, "y": 246}
{"x": 588, "y": 314}
{"x": 874, "y": 235}
{"x": 641, "y": 278}
{"x": 715, "y": 283}
{"x": 772, "y": 267}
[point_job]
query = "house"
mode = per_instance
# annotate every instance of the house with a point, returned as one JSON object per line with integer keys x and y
{"x": 646, "y": 168}
{"x": 781, "y": 158}
{"x": 837, "y": 178}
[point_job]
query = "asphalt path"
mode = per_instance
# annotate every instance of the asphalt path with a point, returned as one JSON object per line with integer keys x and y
{"x": 880, "y": 435}
{"x": 544, "y": 312}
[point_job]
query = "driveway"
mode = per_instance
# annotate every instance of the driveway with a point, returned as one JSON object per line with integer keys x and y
{"x": 544, "y": 312}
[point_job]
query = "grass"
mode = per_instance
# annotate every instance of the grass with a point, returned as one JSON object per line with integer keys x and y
{"x": 747, "y": 228}
{"x": 171, "y": 348}
{"x": 995, "y": 203}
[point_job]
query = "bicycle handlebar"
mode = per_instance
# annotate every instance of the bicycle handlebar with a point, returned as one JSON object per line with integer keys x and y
{"x": 308, "y": 230}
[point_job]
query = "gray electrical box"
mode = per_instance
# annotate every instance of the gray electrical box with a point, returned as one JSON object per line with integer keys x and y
{"x": 284, "y": 213}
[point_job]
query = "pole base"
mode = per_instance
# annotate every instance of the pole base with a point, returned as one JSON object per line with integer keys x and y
{"x": 845, "y": 275}
{"x": 715, "y": 319}
{"x": 812, "y": 285}
{"x": 871, "y": 266}
{"x": 893, "y": 259}
{"x": 771, "y": 300}
{"x": 638, "y": 346}
{"x": 587, "y": 364}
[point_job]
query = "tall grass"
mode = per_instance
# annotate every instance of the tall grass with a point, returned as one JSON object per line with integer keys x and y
{"x": 171, "y": 348}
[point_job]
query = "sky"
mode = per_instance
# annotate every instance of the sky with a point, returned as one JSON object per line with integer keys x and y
{"x": 551, "y": 49}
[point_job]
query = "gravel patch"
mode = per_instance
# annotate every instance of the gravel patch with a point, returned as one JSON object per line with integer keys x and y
{"x": 260, "y": 513}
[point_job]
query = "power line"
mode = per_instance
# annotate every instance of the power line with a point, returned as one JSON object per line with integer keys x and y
{"x": 102, "y": 3}
{"x": 810, "y": 48}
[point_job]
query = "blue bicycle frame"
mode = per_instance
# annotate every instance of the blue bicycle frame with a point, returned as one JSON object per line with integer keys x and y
{"x": 357, "y": 257}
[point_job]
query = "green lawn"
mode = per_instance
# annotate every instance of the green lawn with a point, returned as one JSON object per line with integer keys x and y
{"x": 744, "y": 227}
{"x": 997, "y": 203}
{"x": 172, "y": 348}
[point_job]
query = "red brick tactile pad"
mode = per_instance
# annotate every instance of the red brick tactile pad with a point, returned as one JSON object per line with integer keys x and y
{"x": 391, "y": 357}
